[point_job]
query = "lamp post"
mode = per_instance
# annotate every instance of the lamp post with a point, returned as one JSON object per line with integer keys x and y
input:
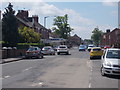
{"x": 45, "y": 21}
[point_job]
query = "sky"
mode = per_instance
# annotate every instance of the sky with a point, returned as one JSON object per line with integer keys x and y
{"x": 83, "y": 17}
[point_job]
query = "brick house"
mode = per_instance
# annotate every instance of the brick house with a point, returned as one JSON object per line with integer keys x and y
{"x": 75, "y": 40}
{"x": 32, "y": 22}
{"x": 111, "y": 38}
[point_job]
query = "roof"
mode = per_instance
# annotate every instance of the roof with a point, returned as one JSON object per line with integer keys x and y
{"x": 96, "y": 48}
{"x": 113, "y": 49}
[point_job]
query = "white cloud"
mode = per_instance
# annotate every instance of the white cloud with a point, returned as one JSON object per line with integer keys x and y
{"x": 110, "y": 2}
{"x": 76, "y": 21}
{"x": 82, "y": 25}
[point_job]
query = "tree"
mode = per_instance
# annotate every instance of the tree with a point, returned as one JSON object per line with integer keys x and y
{"x": 63, "y": 29}
{"x": 96, "y": 36}
{"x": 28, "y": 35}
{"x": 10, "y": 26}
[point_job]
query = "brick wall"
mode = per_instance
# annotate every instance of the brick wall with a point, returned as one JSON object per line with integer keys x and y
{"x": 11, "y": 53}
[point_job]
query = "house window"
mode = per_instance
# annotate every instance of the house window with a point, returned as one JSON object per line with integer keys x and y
{"x": 109, "y": 37}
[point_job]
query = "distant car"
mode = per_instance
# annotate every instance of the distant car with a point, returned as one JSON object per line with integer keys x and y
{"x": 48, "y": 50}
{"x": 55, "y": 48}
{"x": 89, "y": 47}
{"x": 96, "y": 52}
{"x": 34, "y": 52}
{"x": 110, "y": 63}
{"x": 105, "y": 47}
{"x": 82, "y": 48}
{"x": 62, "y": 49}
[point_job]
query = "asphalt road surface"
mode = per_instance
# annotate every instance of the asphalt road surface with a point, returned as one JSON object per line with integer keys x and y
{"x": 57, "y": 71}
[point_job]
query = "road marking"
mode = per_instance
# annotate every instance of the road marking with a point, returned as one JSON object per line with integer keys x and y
{"x": 37, "y": 84}
{"x": 89, "y": 85}
{"x": 27, "y": 69}
{"x": 6, "y": 76}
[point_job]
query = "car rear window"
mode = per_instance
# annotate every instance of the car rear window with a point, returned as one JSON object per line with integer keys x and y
{"x": 46, "y": 48}
{"x": 62, "y": 47}
{"x": 113, "y": 54}
{"x": 96, "y": 49}
{"x": 32, "y": 49}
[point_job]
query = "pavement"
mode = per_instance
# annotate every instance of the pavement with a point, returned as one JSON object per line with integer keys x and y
{"x": 7, "y": 60}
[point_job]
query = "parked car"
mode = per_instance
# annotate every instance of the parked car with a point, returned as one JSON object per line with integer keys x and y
{"x": 48, "y": 50}
{"x": 96, "y": 52}
{"x": 34, "y": 52}
{"x": 62, "y": 49}
{"x": 89, "y": 47}
{"x": 107, "y": 46}
{"x": 110, "y": 63}
{"x": 55, "y": 48}
{"x": 82, "y": 48}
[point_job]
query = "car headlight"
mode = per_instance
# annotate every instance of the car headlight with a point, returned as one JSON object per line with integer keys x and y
{"x": 106, "y": 63}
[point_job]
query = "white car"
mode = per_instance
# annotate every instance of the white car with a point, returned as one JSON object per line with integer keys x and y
{"x": 62, "y": 49}
{"x": 110, "y": 63}
{"x": 89, "y": 47}
{"x": 48, "y": 50}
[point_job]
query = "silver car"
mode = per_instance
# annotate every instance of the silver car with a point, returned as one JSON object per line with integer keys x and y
{"x": 110, "y": 63}
{"x": 48, "y": 50}
{"x": 62, "y": 49}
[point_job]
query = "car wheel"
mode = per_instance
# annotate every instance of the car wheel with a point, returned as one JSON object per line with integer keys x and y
{"x": 58, "y": 53}
{"x": 102, "y": 71}
{"x": 91, "y": 58}
{"x": 67, "y": 53}
{"x": 40, "y": 57}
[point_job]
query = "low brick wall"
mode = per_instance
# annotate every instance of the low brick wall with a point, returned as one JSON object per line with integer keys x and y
{"x": 11, "y": 53}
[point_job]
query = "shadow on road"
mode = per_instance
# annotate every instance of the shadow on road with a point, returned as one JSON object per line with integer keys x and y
{"x": 113, "y": 76}
{"x": 95, "y": 59}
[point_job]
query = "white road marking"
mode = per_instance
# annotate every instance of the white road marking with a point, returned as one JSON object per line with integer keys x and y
{"x": 37, "y": 84}
{"x": 6, "y": 76}
{"x": 89, "y": 85}
{"x": 27, "y": 69}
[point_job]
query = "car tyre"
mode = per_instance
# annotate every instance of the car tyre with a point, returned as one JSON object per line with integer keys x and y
{"x": 58, "y": 53}
{"x": 91, "y": 58}
{"x": 102, "y": 71}
{"x": 67, "y": 53}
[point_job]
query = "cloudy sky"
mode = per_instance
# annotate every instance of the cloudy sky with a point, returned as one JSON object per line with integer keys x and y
{"x": 83, "y": 16}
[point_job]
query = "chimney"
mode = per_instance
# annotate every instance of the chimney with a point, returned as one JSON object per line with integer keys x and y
{"x": 22, "y": 14}
{"x": 35, "y": 18}
{"x": 108, "y": 30}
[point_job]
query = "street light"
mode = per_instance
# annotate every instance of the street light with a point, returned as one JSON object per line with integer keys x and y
{"x": 45, "y": 20}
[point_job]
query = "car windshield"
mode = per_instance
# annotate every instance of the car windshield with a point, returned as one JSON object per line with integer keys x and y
{"x": 32, "y": 49}
{"x": 113, "y": 54}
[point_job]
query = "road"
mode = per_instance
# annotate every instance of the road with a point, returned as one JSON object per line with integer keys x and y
{"x": 57, "y": 71}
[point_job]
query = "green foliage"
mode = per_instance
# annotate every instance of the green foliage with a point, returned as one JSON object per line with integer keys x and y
{"x": 9, "y": 26}
{"x": 28, "y": 35}
{"x": 96, "y": 36}
{"x": 63, "y": 28}
{"x": 26, "y": 45}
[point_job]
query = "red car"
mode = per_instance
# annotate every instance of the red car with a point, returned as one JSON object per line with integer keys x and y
{"x": 105, "y": 47}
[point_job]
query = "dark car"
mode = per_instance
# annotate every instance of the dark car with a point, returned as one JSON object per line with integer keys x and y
{"x": 34, "y": 52}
